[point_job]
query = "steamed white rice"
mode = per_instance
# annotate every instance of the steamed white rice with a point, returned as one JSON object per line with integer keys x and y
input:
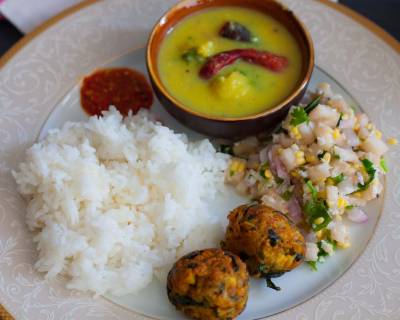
{"x": 113, "y": 202}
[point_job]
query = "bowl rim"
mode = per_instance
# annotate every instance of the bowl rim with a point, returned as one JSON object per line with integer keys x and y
{"x": 160, "y": 86}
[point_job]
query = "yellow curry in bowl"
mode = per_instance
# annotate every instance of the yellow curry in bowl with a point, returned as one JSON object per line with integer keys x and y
{"x": 229, "y": 62}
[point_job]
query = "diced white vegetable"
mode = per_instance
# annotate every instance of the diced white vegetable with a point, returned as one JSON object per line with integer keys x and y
{"x": 374, "y": 189}
{"x": 364, "y": 133}
{"x": 324, "y": 136}
{"x": 362, "y": 119}
{"x": 357, "y": 215}
{"x": 339, "y": 104}
{"x": 374, "y": 145}
{"x": 285, "y": 141}
{"x": 307, "y": 133}
{"x": 311, "y": 251}
{"x": 327, "y": 247}
{"x": 351, "y": 137}
{"x": 263, "y": 155}
{"x": 339, "y": 232}
{"x": 346, "y": 187}
{"x": 347, "y": 124}
{"x": 346, "y": 154}
{"x": 319, "y": 172}
{"x": 326, "y": 115}
{"x": 332, "y": 196}
{"x": 325, "y": 90}
{"x": 254, "y": 161}
{"x": 340, "y": 166}
{"x": 288, "y": 158}
{"x": 274, "y": 200}
{"x": 246, "y": 146}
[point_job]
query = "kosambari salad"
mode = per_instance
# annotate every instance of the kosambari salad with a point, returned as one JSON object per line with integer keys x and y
{"x": 324, "y": 163}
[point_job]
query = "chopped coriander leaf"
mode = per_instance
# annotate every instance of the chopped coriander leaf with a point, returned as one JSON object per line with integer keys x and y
{"x": 322, "y": 254}
{"x": 336, "y": 156}
{"x": 312, "y": 105}
{"x": 279, "y": 180}
{"x": 226, "y": 148}
{"x": 298, "y": 116}
{"x": 370, "y": 170}
{"x": 312, "y": 189}
{"x": 262, "y": 170}
{"x": 313, "y": 265}
{"x": 321, "y": 155}
{"x": 315, "y": 209}
{"x": 286, "y": 195}
{"x": 340, "y": 119}
{"x": 384, "y": 165}
{"x": 338, "y": 179}
{"x": 349, "y": 207}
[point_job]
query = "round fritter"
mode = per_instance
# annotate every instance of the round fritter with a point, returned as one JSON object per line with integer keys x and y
{"x": 209, "y": 284}
{"x": 264, "y": 239}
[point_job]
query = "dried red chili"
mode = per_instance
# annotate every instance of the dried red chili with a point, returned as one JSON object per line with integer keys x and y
{"x": 265, "y": 59}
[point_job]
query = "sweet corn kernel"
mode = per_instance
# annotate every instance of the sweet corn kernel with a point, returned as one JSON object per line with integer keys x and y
{"x": 327, "y": 157}
{"x": 300, "y": 157}
{"x": 392, "y": 141}
{"x": 369, "y": 126}
{"x": 268, "y": 174}
{"x": 322, "y": 194}
{"x": 319, "y": 220}
{"x": 339, "y": 218}
{"x": 329, "y": 182}
{"x": 237, "y": 166}
{"x": 206, "y": 49}
{"x": 336, "y": 134}
{"x": 343, "y": 245}
{"x": 341, "y": 203}
{"x": 296, "y": 132}
{"x": 294, "y": 173}
{"x": 345, "y": 116}
{"x": 319, "y": 234}
{"x": 311, "y": 158}
{"x": 378, "y": 134}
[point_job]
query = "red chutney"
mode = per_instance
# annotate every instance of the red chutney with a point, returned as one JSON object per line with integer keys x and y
{"x": 124, "y": 88}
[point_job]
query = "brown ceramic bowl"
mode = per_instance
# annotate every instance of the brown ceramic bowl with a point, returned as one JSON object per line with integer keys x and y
{"x": 229, "y": 127}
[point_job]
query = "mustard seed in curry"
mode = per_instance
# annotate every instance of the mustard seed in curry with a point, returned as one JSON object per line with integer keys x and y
{"x": 209, "y": 284}
{"x": 265, "y": 240}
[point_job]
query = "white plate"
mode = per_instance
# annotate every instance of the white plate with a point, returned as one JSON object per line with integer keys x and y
{"x": 39, "y": 89}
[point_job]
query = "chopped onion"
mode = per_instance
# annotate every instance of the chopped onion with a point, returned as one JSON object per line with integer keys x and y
{"x": 263, "y": 155}
{"x": 295, "y": 212}
{"x": 276, "y": 165}
{"x": 351, "y": 137}
{"x": 357, "y": 215}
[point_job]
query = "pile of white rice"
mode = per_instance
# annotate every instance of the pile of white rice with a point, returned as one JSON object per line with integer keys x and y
{"x": 113, "y": 202}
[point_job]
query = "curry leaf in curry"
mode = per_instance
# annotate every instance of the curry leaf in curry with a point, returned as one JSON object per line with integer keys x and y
{"x": 192, "y": 55}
